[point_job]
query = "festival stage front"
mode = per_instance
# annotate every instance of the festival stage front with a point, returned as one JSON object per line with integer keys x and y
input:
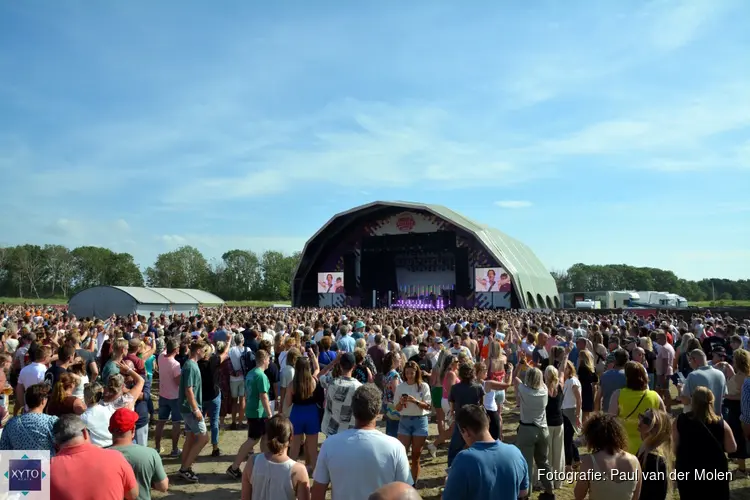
{"x": 416, "y": 256}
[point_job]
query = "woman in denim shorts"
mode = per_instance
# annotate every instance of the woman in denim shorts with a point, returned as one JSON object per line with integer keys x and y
{"x": 414, "y": 404}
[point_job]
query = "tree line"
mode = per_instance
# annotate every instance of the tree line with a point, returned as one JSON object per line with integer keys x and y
{"x": 33, "y": 271}
{"x": 585, "y": 278}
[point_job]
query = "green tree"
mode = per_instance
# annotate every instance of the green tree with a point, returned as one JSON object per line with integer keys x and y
{"x": 241, "y": 274}
{"x": 185, "y": 267}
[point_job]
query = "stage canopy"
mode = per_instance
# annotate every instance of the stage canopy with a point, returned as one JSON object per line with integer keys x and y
{"x": 327, "y": 250}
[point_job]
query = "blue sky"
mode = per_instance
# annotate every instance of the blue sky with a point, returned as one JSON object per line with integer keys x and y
{"x": 594, "y": 131}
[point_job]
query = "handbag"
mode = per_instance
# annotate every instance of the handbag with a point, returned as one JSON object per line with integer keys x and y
{"x": 391, "y": 413}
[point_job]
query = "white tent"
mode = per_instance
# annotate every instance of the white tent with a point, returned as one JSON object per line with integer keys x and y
{"x": 103, "y": 301}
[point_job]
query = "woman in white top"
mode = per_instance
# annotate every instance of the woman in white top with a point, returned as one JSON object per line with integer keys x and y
{"x": 273, "y": 475}
{"x": 491, "y": 387}
{"x": 555, "y": 425}
{"x": 414, "y": 403}
{"x": 571, "y": 409}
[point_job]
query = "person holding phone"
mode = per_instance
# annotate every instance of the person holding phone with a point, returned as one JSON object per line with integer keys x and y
{"x": 414, "y": 405}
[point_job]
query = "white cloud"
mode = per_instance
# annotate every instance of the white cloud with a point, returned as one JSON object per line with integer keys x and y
{"x": 513, "y": 204}
{"x": 675, "y": 135}
{"x": 676, "y": 24}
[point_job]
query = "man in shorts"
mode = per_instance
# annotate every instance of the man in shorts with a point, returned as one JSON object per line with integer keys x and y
{"x": 257, "y": 411}
{"x": 169, "y": 402}
{"x": 237, "y": 380}
{"x": 191, "y": 406}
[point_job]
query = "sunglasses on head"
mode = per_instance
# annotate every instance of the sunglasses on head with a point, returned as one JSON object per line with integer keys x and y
{"x": 646, "y": 418}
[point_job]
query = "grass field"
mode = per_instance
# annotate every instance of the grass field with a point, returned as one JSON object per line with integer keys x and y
{"x": 721, "y": 303}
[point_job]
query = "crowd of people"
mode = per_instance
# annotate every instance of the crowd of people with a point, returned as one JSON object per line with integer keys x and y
{"x": 90, "y": 390}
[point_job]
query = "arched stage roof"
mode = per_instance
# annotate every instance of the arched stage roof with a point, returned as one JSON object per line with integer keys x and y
{"x": 530, "y": 277}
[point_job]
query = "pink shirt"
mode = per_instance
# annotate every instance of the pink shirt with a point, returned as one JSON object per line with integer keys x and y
{"x": 666, "y": 351}
{"x": 169, "y": 368}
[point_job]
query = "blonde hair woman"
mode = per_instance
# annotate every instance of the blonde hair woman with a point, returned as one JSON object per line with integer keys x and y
{"x": 571, "y": 409}
{"x": 553, "y": 412}
{"x": 600, "y": 352}
{"x": 589, "y": 380}
{"x": 732, "y": 402}
{"x": 655, "y": 454}
{"x": 119, "y": 350}
{"x": 533, "y": 435}
{"x": 701, "y": 440}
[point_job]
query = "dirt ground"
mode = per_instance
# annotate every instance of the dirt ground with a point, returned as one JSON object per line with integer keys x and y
{"x": 216, "y": 485}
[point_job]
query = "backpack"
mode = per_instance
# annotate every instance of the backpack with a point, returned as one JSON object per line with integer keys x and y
{"x": 247, "y": 361}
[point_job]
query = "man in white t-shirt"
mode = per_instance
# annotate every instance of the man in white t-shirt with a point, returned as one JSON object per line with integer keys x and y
{"x": 363, "y": 448}
{"x": 237, "y": 380}
{"x": 410, "y": 347}
{"x": 457, "y": 348}
{"x": 32, "y": 374}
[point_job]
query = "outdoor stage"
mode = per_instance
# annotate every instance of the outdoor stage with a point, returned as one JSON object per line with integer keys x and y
{"x": 415, "y": 256}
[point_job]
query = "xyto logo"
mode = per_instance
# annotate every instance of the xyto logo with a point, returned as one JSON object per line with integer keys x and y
{"x": 25, "y": 475}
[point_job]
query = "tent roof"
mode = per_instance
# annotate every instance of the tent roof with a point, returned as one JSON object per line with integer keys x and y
{"x": 202, "y": 297}
{"x": 530, "y": 275}
{"x": 144, "y": 295}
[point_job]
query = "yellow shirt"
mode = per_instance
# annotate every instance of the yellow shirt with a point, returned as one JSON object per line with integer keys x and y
{"x": 632, "y": 404}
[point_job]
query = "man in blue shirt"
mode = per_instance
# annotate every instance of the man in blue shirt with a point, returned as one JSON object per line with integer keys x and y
{"x": 488, "y": 468}
{"x": 613, "y": 379}
{"x": 346, "y": 343}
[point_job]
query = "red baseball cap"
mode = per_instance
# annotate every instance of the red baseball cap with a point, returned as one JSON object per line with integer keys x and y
{"x": 123, "y": 420}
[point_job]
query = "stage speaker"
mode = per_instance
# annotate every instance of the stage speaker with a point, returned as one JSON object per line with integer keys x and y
{"x": 463, "y": 279}
{"x": 350, "y": 273}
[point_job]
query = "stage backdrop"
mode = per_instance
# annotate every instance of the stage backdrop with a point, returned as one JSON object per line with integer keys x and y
{"x": 412, "y": 283}
{"x": 331, "y": 282}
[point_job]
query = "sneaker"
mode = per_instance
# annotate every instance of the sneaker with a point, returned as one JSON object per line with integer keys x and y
{"x": 234, "y": 473}
{"x": 176, "y": 452}
{"x": 188, "y": 475}
{"x": 432, "y": 449}
{"x": 216, "y": 452}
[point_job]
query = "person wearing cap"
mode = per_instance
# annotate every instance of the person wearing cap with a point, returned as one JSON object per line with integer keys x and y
{"x": 145, "y": 461}
{"x": 359, "y": 330}
{"x": 82, "y": 471}
{"x": 339, "y": 392}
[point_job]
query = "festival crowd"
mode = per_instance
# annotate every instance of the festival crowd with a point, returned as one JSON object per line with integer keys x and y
{"x": 597, "y": 399}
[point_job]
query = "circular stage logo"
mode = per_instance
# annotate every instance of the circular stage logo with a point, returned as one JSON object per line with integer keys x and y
{"x": 405, "y": 223}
